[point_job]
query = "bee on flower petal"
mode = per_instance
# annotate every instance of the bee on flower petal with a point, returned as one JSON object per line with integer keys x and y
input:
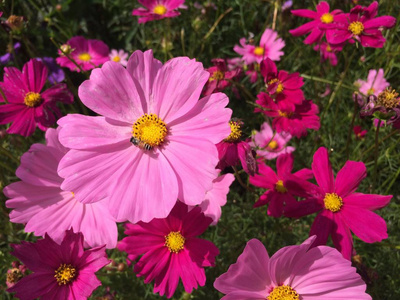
{"x": 140, "y": 144}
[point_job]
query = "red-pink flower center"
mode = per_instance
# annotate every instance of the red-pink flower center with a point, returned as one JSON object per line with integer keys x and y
{"x": 283, "y": 292}
{"x": 160, "y": 10}
{"x": 174, "y": 241}
{"x": 327, "y": 18}
{"x": 217, "y": 75}
{"x": 33, "y": 99}
{"x": 389, "y": 98}
{"x": 333, "y": 202}
{"x": 356, "y": 27}
{"x": 279, "y": 89}
{"x": 65, "y": 274}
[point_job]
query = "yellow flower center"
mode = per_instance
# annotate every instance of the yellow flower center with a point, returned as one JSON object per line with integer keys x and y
{"x": 65, "y": 274}
{"x": 174, "y": 241}
{"x": 279, "y": 89}
{"x": 149, "y": 129}
{"x": 283, "y": 292}
{"x": 389, "y": 98}
{"x": 285, "y": 114}
{"x": 14, "y": 275}
{"x": 160, "y": 9}
{"x": 327, "y": 18}
{"x": 217, "y": 75}
{"x": 33, "y": 99}
{"x": 84, "y": 56}
{"x": 259, "y": 51}
{"x": 356, "y": 27}
{"x": 235, "y": 134}
{"x": 328, "y": 48}
{"x": 333, "y": 202}
{"x": 116, "y": 58}
{"x": 273, "y": 145}
{"x": 280, "y": 187}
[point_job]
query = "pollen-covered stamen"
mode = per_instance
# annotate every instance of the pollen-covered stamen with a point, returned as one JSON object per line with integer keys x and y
{"x": 273, "y": 145}
{"x": 150, "y": 129}
{"x": 160, "y": 10}
{"x": 327, "y": 18}
{"x": 174, "y": 241}
{"x": 116, "y": 58}
{"x": 217, "y": 75}
{"x": 285, "y": 114}
{"x": 259, "y": 51}
{"x": 33, "y": 99}
{"x": 389, "y": 98}
{"x": 328, "y": 48}
{"x": 84, "y": 56}
{"x": 280, "y": 188}
{"x": 333, "y": 202}
{"x": 279, "y": 88}
{"x": 370, "y": 91}
{"x": 65, "y": 274}
{"x": 283, "y": 292}
{"x": 356, "y": 27}
{"x": 236, "y": 132}
{"x": 14, "y": 275}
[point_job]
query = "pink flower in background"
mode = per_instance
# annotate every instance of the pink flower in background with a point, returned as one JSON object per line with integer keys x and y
{"x": 158, "y": 9}
{"x": 219, "y": 77}
{"x": 27, "y": 105}
{"x": 362, "y": 26}
{"x": 294, "y": 272}
{"x": 171, "y": 249}
{"x": 270, "y": 46}
{"x": 323, "y": 20}
{"x": 15, "y": 273}
{"x": 340, "y": 208}
{"x": 143, "y": 153}
{"x": 60, "y": 271}
{"x": 278, "y": 196}
{"x": 359, "y": 133}
{"x": 375, "y": 84}
{"x": 376, "y": 122}
{"x": 328, "y": 52}
{"x": 88, "y": 54}
{"x": 40, "y": 203}
{"x": 271, "y": 145}
{"x": 119, "y": 56}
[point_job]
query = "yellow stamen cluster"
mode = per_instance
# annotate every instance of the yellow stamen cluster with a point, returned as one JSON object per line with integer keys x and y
{"x": 236, "y": 132}
{"x": 356, "y": 27}
{"x": 14, "y": 275}
{"x": 327, "y": 18}
{"x": 285, "y": 114}
{"x": 280, "y": 188}
{"x": 150, "y": 129}
{"x": 273, "y": 145}
{"x": 217, "y": 75}
{"x": 65, "y": 274}
{"x": 279, "y": 89}
{"x": 259, "y": 51}
{"x": 84, "y": 56}
{"x": 328, "y": 48}
{"x": 371, "y": 91}
{"x": 174, "y": 241}
{"x": 389, "y": 98}
{"x": 33, "y": 99}
{"x": 160, "y": 9}
{"x": 116, "y": 58}
{"x": 333, "y": 202}
{"x": 283, "y": 292}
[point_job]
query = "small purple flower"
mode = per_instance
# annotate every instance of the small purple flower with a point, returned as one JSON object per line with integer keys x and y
{"x": 56, "y": 74}
{"x": 6, "y": 58}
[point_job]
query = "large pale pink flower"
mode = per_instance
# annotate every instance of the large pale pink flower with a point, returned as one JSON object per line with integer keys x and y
{"x": 270, "y": 46}
{"x": 158, "y": 9}
{"x": 171, "y": 249}
{"x": 28, "y": 106}
{"x": 40, "y": 203}
{"x": 60, "y": 271}
{"x": 340, "y": 208}
{"x": 154, "y": 143}
{"x": 294, "y": 272}
{"x": 375, "y": 84}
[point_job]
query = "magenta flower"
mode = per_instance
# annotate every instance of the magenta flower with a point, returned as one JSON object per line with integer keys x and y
{"x": 119, "y": 56}
{"x": 88, "y": 54}
{"x": 294, "y": 272}
{"x": 323, "y": 20}
{"x": 158, "y": 9}
{"x": 295, "y": 119}
{"x": 271, "y": 145}
{"x": 60, "y": 271}
{"x": 375, "y": 84}
{"x": 26, "y": 105}
{"x": 328, "y": 52}
{"x": 278, "y": 195}
{"x": 359, "y": 133}
{"x": 280, "y": 84}
{"x": 219, "y": 77}
{"x": 340, "y": 208}
{"x": 270, "y": 46}
{"x": 40, "y": 203}
{"x": 361, "y": 25}
{"x": 144, "y": 151}
{"x": 171, "y": 249}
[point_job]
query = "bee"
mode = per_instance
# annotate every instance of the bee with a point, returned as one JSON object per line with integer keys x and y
{"x": 140, "y": 144}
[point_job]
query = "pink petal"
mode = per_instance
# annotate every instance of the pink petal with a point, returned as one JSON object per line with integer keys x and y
{"x": 284, "y": 164}
{"x": 341, "y": 236}
{"x": 322, "y": 227}
{"x": 35, "y": 75}
{"x": 306, "y": 13}
{"x": 367, "y": 201}
{"x": 323, "y": 170}
{"x": 303, "y": 29}
{"x": 349, "y": 178}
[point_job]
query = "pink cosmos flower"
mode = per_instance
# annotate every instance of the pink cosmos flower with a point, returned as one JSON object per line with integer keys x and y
{"x": 26, "y": 105}
{"x": 158, "y": 9}
{"x": 328, "y": 52}
{"x": 280, "y": 84}
{"x": 294, "y": 272}
{"x": 270, "y": 46}
{"x": 323, "y": 19}
{"x": 15, "y": 273}
{"x": 171, "y": 249}
{"x": 119, "y": 56}
{"x": 340, "y": 208}
{"x": 361, "y": 25}
{"x": 295, "y": 119}
{"x": 154, "y": 143}
{"x": 278, "y": 195}
{"x": 40, "y": 203}
{"x": 359, "y": 133}
{"x": 232, "y": 149}
{"x": 88, "y": 54}
{"x": 219, "y": 77}
{"x": 60, "y": 271}
{"x": 375, "y": 84}
{"x": 271, "y": 144}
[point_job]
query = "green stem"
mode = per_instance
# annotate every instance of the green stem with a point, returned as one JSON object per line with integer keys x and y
{"x": 9, "y": 154}
{"x": 376, "y": 156}
{"x": 350, "y": 130}
{"x": 380, "y": 142}
{"x": 314, "y": 78}
{"x": 239, "y": 179}
{"x": 392, "y": 182}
